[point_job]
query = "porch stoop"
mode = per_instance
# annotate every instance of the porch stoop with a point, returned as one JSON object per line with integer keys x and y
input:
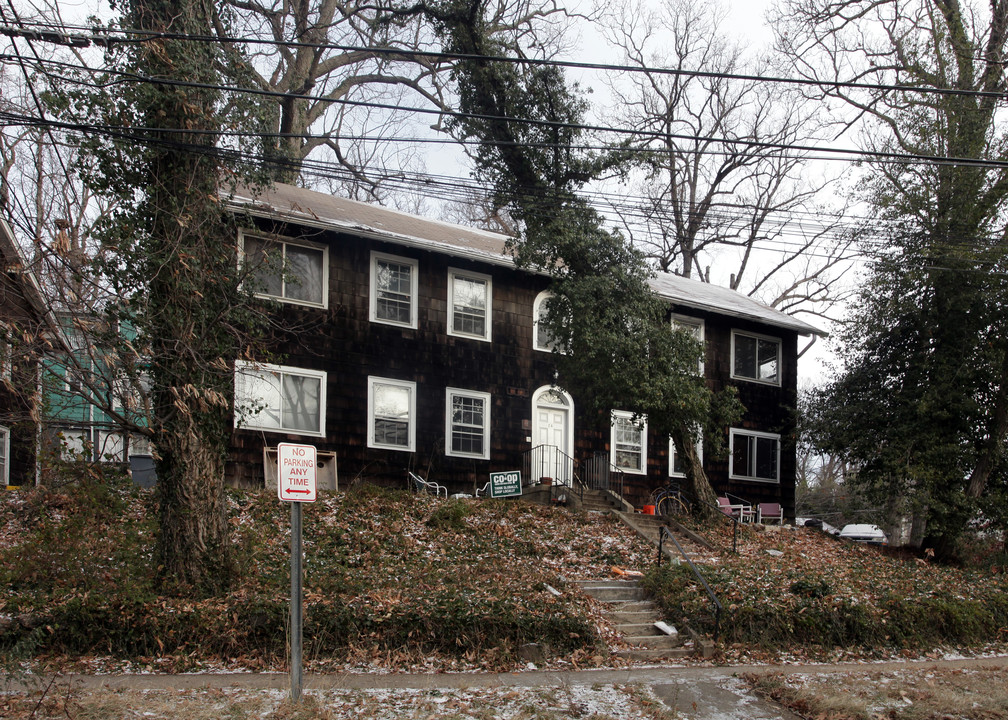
{"x": 634, "y": 616}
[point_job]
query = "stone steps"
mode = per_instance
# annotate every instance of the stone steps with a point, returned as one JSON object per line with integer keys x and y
{"x": 634, "y": 617}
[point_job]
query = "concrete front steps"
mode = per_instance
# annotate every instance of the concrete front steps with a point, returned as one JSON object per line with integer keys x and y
{"x": 634, "y": 616}
{"x": 600, "y": 501}
{"x": 648, "y": 527}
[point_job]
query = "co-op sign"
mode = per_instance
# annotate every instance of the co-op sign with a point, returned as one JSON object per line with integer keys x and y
{"x": 296, "y": 470}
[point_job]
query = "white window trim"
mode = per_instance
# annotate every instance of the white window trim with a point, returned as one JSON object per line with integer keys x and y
{"x": 373, "y": 288}
{"x": 242, "y": 423}
{"x": 411, "y": 386}
{"x": 733, "y": 433}
{"x": 672, "y": 453}
{"x": 454, "y": 273}
{"x": 688, "y": 320}
{"x": 299, "y": 243}
{"x": 642, "y": 420}
{"x": 780, "y": 358}
{"x": 536, "y": 307}
{"x": 485, "y": 397}
{"x": 5, "y": 445}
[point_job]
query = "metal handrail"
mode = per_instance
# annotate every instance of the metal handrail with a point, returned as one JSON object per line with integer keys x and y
{"x": 710, "y": 593}
{"x": 735, "y": 522}
{"x": 534, "y": 463}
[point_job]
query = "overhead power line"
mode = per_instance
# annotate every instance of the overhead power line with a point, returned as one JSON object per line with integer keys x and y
{"x": 83, "y": 37}
{"x": 825, "y": 153}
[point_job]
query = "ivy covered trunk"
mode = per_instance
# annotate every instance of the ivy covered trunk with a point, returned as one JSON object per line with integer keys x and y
{"x": 188, "y": 258}
{"x": 697, "y": 484}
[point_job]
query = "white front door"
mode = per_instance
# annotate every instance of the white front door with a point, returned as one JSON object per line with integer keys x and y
{"x": 552, "y": 435}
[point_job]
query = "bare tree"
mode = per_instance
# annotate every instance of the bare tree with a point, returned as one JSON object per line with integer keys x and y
{"x": 720, "y": 179}
{"x": 338, "y": 68}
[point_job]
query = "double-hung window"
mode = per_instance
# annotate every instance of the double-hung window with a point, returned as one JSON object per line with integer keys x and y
{"x": 677, "y": 468}
{"x": 628, "y": 442}
{"x": 695, "y": 327}
{"x": 393, "y": 290}
{"x": 756, "y": 358}
{"x": 287, "y": 271}
{"x": 467, "y": 424}
{"x": 754, "y": 456}
{"x": 281, "y": 399}
{"x": 469, "y": 304}
{"x": 391, "y": 414}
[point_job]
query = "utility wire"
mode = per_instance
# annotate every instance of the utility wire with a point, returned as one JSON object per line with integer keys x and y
{"x": 83, "y": 37}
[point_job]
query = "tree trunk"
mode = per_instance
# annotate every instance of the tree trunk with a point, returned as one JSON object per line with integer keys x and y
{"x": 698, "y": 487}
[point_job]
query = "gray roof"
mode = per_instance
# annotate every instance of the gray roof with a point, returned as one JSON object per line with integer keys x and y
{"x": 313, "y": 209}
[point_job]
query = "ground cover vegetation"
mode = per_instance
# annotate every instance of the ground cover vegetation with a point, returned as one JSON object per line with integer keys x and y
{"x": 400, "y": 581}
{"x": 800, "y": 589}
{"x": 390, "y": 578}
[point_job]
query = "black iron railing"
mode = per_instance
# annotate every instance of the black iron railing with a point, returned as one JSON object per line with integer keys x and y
{"x": 662, "y": 534}
{"x": 548, "y": 463}
{"x": 600, "y": 474}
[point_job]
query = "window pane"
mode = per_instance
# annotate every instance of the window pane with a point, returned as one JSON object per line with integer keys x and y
{"x": 741, "y": 453}
{"x": 469, "y": 305}
{"x": 768, "y": 359}
{"x": 265, "y": 258}
{"x": 391, "y": 415}
{"x": 677, "y": 461}
{"x": 393, "y": 291}
{"x": 304, "y": 274}
{"x": 261, "y": 398}
{"x": 766, "y": 458}
{"x": 467, "y": 424}
{"x": 745, "y": 356}
{"x": 301, "y": 403}
{"x": 628, "y": 445}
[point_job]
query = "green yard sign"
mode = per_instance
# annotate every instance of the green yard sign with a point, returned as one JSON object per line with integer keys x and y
{"x": 505, "y": 484}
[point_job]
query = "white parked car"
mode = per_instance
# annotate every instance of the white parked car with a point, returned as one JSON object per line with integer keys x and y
{"x": 871, "y": 534}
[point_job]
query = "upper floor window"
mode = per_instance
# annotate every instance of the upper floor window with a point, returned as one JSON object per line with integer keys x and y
{"x": 754, "y": 456}
{"x": 391, "y": 414}
{"x": 288, "y": 271}
{"x": 542, "y": 339}
{"x": 469, "y": 304}
{"x": 467, "y": 424}
{"x": 628, "y": 443}
{"x": 756, "y": 357}
{"x": 693, "y": 326}
{"x": 393, "y": 290}
{"x": 285, "y": 399}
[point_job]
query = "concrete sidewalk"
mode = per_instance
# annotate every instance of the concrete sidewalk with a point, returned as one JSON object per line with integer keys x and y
{"x": 702, "y": 693}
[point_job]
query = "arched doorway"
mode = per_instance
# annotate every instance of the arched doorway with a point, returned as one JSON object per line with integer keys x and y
{"x": 553, "y": 433}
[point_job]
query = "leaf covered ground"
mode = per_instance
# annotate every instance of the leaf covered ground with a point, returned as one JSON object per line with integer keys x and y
{"x": 392, "y": 580}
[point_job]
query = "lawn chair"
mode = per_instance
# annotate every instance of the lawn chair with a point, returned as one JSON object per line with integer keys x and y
{"x": 427, "y": 486}
{"x": 770, "y": 512}
{"x": 742, "y": 512}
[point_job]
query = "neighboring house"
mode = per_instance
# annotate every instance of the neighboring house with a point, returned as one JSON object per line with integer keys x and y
{"x": 411, "y": 344}
{"x": 22, "y": 312}
{"x": 88, "y": 403}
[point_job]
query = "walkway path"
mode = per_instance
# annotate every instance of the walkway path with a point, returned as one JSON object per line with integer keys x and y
{"x": 702, "y": 693}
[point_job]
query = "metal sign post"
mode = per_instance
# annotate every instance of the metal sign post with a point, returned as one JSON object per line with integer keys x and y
{"x": 296, "y": 484}
{"x": 296, "y": 617}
